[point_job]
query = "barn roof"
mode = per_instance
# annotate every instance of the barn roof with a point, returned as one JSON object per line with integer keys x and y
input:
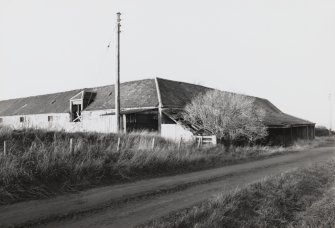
{"x": 49, "y": 103}
{"x": 177, "y": 94}
{"x": 134, "y": 94}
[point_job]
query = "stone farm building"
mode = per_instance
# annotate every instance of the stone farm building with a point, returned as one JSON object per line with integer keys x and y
{"x": 149, "y": 104}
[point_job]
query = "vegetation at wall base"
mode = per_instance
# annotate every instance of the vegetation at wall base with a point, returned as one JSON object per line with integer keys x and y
{"x": 39, "y": 164}
{"x": 300, "y": 198}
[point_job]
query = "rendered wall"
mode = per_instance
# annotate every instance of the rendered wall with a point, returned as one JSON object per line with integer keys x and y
{"x": 92, "y": 121}
{"x": 95, "y": 121}
{"x": 60, "y": 121}
{"x": 176, "y": 132}
{"x": 98, "y": 121}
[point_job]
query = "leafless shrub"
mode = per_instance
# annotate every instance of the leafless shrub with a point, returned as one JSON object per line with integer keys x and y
{"x": 229, "y": 116}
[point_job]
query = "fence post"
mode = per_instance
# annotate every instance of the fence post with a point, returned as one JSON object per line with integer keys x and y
{"x": 199, "y": 141}
{"x": 179, "y": 144}
{"x": 214, "y": 140}
{"x": 118, "y": 144}
{"x": 4, "y": 148}
{"x": 153, "y": 143}
{"x": 71, "y": 145}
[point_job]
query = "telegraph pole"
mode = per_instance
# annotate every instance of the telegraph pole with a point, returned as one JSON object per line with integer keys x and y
{"x": 117, "y": 82}
{"x": 330, "y": 114}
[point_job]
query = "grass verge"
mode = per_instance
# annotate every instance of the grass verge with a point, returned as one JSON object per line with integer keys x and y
{"x": 301, "y": 198}
{"x": 39, "y": 164}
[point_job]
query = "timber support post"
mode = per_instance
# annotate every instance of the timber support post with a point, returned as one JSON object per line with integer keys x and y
{"x": 4, "y": 148}
{"x": 160, "y": 107}
{"x": 124, "y": 122}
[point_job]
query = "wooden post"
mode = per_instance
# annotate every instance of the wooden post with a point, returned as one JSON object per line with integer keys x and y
{"x": 199, "y": 141}
{"x": 71, "y": 145}
{"x": 214, "y": 140}
{"x": 118, "y": 144}
{"x": 179, "y": 144}
{"x": 307, "y": 132}
{"x": 117, "y": 82}
{"x": 160, "y": 107}
{"x": 124, "y": 121}
{"x": 4, "y": 148}
{"x": 153, "y": 143}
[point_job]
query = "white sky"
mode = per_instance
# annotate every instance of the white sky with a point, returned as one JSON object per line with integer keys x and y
{"x": 282, "y": 50}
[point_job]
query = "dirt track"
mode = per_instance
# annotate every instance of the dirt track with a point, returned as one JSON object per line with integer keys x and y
{"x": 130, "y": 204}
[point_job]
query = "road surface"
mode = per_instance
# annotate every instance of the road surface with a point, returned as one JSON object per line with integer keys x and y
{"x": 130, "y": 204}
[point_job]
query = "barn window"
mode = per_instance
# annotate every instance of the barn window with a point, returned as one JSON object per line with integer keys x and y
{"x": 50, "y": 118}
{"x": 21, "y": 119}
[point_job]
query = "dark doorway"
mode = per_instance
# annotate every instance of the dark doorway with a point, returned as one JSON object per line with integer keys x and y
{"x": 142, "y": 122}
{"x": 76, "y": 112}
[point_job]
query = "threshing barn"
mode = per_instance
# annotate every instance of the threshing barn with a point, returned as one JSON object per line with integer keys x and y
{"x": 149, "y": 104}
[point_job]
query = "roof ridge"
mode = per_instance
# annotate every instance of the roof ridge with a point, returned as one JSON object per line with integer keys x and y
{"x": 189, "y": 83}
{"x": 46, "y": 94}
{"x": 74, "y": 90}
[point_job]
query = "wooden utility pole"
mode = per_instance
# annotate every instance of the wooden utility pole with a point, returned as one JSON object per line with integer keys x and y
{"x": 117, "y": 82}
{"x": 330, "y": 114}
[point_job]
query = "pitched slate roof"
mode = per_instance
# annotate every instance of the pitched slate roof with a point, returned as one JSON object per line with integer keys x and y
{"x": 49, "y": 103}
{"x": 177, "y": 94}
{"x": 134, "y": 94}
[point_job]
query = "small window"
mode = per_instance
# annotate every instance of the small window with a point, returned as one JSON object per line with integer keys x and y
{"x": 50, "y": 118}
{"x": 1, "y": 120}
{"x": 21, "y": 119}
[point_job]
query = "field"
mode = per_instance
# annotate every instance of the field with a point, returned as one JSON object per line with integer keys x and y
{"x": 39, "y": 164}
{"x": 300, "y": 198}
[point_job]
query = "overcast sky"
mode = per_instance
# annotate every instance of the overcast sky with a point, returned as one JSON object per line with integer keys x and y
{"x": 282, "y": 50}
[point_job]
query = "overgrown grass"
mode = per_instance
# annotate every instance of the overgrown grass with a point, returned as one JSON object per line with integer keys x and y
{"x": 39, "y": 164}
{"x": 302, "y": 198}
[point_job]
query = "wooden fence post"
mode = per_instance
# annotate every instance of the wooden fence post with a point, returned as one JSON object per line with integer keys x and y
{"x": 153, "y": 143}
{"x": 4, "y": 148}
{"x": 71, "y": 145}
{"x": 199, "y": 141}
{"x": 179, "y": 144}
{"x": 118, "y": 144}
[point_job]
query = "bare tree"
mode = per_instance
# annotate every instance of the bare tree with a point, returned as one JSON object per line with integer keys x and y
{"x": 227, "y": 115}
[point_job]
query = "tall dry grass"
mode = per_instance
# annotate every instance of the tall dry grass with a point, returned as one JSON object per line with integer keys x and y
{"x": 293, "y": 199}
{"x": 39, "y": 164}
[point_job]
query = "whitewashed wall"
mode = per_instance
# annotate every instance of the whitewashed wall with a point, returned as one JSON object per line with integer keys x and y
{"x": 60, "y": 120}
{"x": 98, "y": 121}
{"x": 176, "y": 132}
{"x": 91, "y": 121}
